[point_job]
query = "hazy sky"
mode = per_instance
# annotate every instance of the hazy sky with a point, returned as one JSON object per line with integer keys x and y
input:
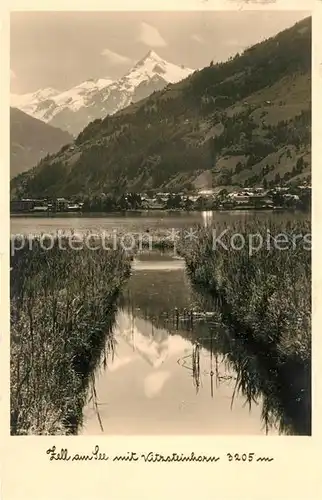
{"x": 62, "y": 49}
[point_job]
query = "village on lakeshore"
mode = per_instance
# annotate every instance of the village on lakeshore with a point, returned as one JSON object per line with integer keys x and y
{"x": 204, "y": 199}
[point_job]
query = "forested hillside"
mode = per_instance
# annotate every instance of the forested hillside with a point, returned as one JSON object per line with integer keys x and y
{"x": 31, "y": 140}
{"x": 243, "y": 122}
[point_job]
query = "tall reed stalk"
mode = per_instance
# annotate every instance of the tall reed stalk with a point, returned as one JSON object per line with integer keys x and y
{"x": 264, "y": 300}
{"x": 63, "y": 304}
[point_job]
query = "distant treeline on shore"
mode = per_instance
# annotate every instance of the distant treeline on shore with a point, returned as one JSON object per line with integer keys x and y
{"x": 255, "y": 198}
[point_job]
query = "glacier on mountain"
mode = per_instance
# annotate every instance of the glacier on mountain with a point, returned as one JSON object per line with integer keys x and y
{"x": 74, "y": 108}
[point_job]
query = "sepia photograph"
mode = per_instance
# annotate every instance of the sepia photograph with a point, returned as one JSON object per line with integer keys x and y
{"x": 160, "y": 220}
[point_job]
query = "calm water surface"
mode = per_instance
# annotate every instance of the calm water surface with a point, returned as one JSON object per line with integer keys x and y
{"x": 135, "y": 222}
{"x": 150, "y": 386}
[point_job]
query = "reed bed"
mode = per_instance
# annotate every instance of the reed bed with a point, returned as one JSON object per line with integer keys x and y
{"x": 63, "y": 305}
{"x": 263, "y": 299}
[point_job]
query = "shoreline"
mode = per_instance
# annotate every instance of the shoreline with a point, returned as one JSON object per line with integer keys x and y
{"x": 124, "y": 213}
{"x": 259, "y": 311}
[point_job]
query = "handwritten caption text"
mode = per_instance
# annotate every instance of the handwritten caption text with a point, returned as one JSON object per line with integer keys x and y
{"x": 151, "y": 456}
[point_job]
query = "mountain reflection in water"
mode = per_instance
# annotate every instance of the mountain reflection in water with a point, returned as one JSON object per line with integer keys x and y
{"x": 162, "y": 380}
{"x": 148, "y": 388}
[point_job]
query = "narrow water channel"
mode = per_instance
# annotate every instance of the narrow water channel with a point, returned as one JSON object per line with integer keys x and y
{"x": 161, "y": 379}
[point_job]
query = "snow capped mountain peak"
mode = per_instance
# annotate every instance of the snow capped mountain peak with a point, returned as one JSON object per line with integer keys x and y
{"x": 151, "y": 65}
{"x": 46, "y": 93}
{"x": 74, "y": 108}
{"x": 149, "y": 57}
{"x": 93, "y": 83}
{"x": 45, "y": 104}
{"x": 152, "y": 55}
{"x": 24, "y": 100}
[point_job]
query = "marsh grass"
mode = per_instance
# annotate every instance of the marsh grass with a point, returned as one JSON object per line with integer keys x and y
{"x": 63, "y": 305}
{"x": 263, "y": 301}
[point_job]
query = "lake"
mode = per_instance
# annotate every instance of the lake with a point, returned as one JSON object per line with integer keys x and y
{"x": 149, "y": 386}
{"x": 168, "y": 375}
{"x": 133, "y": 222}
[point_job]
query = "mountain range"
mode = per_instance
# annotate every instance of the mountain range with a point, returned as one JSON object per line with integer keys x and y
{"x": 73, "y": 109}
{"x": 31, "y": 140}
{"x": 243, "y": 122}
